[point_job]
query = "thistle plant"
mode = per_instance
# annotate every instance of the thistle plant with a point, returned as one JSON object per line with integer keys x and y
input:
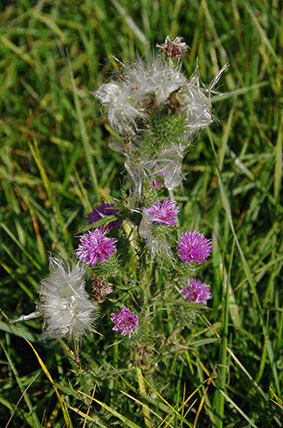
{"x": 141, "y": 263}
{"x": 154, "y": 112}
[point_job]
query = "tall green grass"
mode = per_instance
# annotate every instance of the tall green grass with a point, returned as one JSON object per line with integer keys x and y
{"x": 225, "y": 369}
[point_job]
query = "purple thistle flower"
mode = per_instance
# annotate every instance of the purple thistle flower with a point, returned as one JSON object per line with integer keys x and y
{"x": 104, "y": 209}
{"x": 196, "y": 292}
{"x": 126, "y": 321}
{"x": 96, "y": 245}
{"x": 193, "y": 247}
{"x": 165, "y": 212}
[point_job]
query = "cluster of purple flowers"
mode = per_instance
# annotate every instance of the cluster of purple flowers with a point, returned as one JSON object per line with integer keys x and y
{"x": 193, "y": 247}
{"x": 96, "y": 245}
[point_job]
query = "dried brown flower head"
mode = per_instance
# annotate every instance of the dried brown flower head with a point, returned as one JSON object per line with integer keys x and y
{"x": 173, "y": 48}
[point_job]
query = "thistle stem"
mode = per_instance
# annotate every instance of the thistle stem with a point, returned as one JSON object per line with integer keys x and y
{"x": 172, "y": 198}
{"x": 77, "y": 356}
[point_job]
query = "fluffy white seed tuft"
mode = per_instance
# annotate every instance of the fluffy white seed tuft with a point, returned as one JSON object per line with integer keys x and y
{"x": 65, "y": 304}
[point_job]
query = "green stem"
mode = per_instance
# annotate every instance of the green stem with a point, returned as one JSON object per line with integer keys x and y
{"x": 172, "y": 198}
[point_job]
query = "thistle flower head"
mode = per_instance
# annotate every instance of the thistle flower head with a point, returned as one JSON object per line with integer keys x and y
{"x": 165, "y": 212}
{"x": 193, "y": 247}
{"x": 149, "y": 95}
{"x": 95, "y": 246}
{"x": 104, "y": 209}
{"x": 144, "y": 86}
{"x": 126, "y": 321}
{"x": 65, "y": 304}
{"x": 101, "y": 288}
{"x": 196, "y": 292}
{"x": 173, "y": 48}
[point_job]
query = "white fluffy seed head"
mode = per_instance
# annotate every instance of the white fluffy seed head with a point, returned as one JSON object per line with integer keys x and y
{"x": 125, "y": 98}
{"x": 128, "y": 98}
{"x": 65, "y": 304}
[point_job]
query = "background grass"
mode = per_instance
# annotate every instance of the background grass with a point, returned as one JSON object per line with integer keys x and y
{"x": 226, "y": 369}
